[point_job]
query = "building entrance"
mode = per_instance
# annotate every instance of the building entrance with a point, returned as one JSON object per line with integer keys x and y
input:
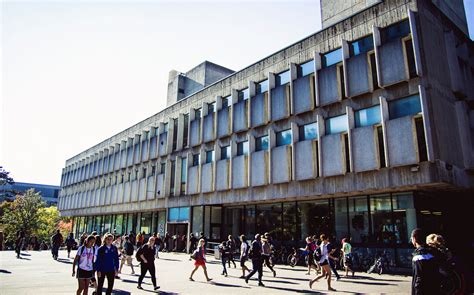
{"x": 179, "y": 236}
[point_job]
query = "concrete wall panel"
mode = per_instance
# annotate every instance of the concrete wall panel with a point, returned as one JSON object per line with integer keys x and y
{"x": 240, "y": 172}
{"x": 240, "y": 116}
{"x": 332, "y": 155}
{"x": 195, "y": 133}
{"x": 120, "y": 193}
{"x": 207, "y": 178}
{"x": 358, "y": 75}
{"x": 193, "y": 180}
{"x": 306, "y": 160}
{"x": 303, "y": 94}
{"x": 259, "y": 168}
{"x": 134, "y": 192}
{"x": 281, "y": 164}
{"x": 280, "y": 103}
{"x": 222, "y": 175}
{"x": 401, "y": 141}
{"x": 209, "y": 131}
{"x": 150, "y": 188}
{"x": 160, "y": 186}
{"x": 328, "y": 85}
{"x": 126, "y": 192}
{"x": 162, "y": 144}
{"x": 223, "y": 123}
{"x": 392, "y": 63}
{"x": 142, "y": 190}
{"x": 259, "y": 106}
{"x": 365, "y": 155}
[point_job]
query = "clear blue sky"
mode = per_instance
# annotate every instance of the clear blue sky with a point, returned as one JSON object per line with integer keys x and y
{"x": 75, "y": 72}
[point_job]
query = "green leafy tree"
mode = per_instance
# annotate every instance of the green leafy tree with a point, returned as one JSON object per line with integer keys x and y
{"x": 50, "y": 220}
{"x": 23, "y": 214}
{"x": 4, "y": 177}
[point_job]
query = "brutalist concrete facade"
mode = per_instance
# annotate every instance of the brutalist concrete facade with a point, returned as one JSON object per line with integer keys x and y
{"x": 178, "y": 157}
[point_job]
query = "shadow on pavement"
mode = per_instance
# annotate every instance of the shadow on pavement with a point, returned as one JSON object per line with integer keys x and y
{"x": 303, "y": 279}
{"x": 226, "y": 285}
{"x": 168, "y": 259}
{"x": 293, "y": 290}
{"x": 371, "y": 279}
{"x": 25, "y": 254}
{"x": 62, "y": 260}
{"x": 280, "y": 281}
{"x": 5, "y": 271}
{"x": 121, "y": 292}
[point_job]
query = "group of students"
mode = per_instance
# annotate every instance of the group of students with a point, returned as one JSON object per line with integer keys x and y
{"x": 106, "y": 259}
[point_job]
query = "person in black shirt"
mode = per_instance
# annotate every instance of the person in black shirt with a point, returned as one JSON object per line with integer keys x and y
{"x": 192, "y": 241}
{"x": 231, "y": 246}
{"x": 257, "y": 261}
{"x": 127, "y": 254}
{"x": 147, "y": 258}
{"x": 426, "y": 278}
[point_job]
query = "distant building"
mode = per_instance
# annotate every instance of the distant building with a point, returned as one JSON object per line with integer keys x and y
{"x": 363, "y": 129}
{"x": 49, "y": 193}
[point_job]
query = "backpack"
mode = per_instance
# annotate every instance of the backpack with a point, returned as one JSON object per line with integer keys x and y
{"x": 317, "y": 254}
{"x": 128, "y": 247}
{"x": 140, "y": 253}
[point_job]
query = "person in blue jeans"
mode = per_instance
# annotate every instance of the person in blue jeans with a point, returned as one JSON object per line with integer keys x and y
{"x": 107, "y": 264}
{"x": 334, "y": 251}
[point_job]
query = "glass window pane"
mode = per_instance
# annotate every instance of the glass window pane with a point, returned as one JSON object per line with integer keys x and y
{"x": 290, "y": 224}
{"x": 268, "y": 220}
{"x": 145, "y": 222}
{"x": 361, "y": 46}
{"x": 308, "y": 131}
{"x": 367, "y": 117}
{"x": 261, "y": 143}
{"x": 282, "y": 78}
{"x": 184, "y": 214}
{"x": 336, "y": 124}
{"x": 341, "y": 218}
{"x": 262, "y": 87}
{"x": 242, "y": 148}
{"x": 250, "y": 222}
{"x": 359, "y": 219}
{"x": 404, "y": 107}
{"x": 243, "y": 94}
{"x": 225, "y": 152}
{"x": 404, "y": 215}
{"x": 184, "y": 170}
{"x": 209, "y": 156}
{"x": 315, "y": 218}
{"x": 306, "y": 68}
{"x": 211, "y": 107}
{"x": 197, "y": 221}
{"x": 331, "y": 58}
{"x": 196, "y": 159}
{"x": 173, "y": 214}
{"x": 381, "y": 215}
{"x": 283, "y": 137}
{"x": 395, "y": 31}
{"x": 226, "y": 101}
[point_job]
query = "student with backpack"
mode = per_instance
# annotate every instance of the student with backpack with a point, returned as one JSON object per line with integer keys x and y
{"x": 85, "y": 261}
{"x": 257, "y": 261}
{"x": 244, "y": 255}
{"x": 146, "y": 256}
{"x": 107, "y": 264}
{"x": 127, "y": 255}
{"x": 224, "y": 251}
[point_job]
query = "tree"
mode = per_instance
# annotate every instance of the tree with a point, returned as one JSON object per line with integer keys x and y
{"x": 4, "y": 177}
{"x": 23, "y": 214}
{"x": 50, "y": 221}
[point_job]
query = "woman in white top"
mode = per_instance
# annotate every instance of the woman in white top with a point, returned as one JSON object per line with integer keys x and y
{"x": 85, "y": 257}
{"x": 324, "y": 262}
{"x": 244, "y": 250}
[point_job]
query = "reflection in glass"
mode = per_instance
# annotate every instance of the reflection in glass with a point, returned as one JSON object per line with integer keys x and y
{"x": 197, "y": 221}
{"x": 262, "y": 87}
{"x": 407, "y": 106}
{"x": 225, "y": 152}
{"x": 340, "y": 218}
{"x": 261, "y": 143}
{"x": 367, "y": 117}
{"x": 242, "y": 148}
{"x": 331, "y": 58}
{"x": 359, "y": 219}
{"x": 282, "y": 78}
{"x": 283, "y": 137}
{"x": 315, "y": 218}
{"x": 308, "y": 131}
{"x": 145, "y": 222}
{"x": 269, "y": 220}
{"x": 383, "y": 228}
{"x": 336, "y": 125}
{"x": 305, "y": 69}
{"x": 361, "y": 46}
{"x": 250, "y": 222}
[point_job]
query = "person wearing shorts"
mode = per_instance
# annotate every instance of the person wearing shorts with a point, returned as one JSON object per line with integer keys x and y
{"x": 85, "y": 261}
{"x": 324, "y": 263}
{"x": 244, "y": 255}
{"x": 199, "y": 256}
{"x": 127, "y": 255}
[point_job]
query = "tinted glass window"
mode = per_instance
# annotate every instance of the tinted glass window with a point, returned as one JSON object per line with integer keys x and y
{"x": 262, "y": 86}
{"x": 336, "y": 124}
{"x": 261, "y": 143}
{"x": 184, "y": 169}
{"x": 226, "y": 101}
{"x": 395, "y": 31}
{"x": 244, "y": 94}
{"x": 209, "y": 156}
{"x": 283, "y": 137}
{"x": 331, "y": 58}
{"x": 308, "y": 131}
{"x": 361, "y": 46}
{"x": 197, "y": 114}
{"x": 211, "y": 108}
{"x": 282, "y": 78}
{"x": 404, "y": 107}
{"x": 306, "y": 68}
{"x": 225, "y": 152}
{"x": 196, "y": 159}
{"x": 367, "y": 117}
{"x": 242, "y": 148}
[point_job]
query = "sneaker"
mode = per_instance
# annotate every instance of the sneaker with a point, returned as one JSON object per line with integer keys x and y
{"x": 139, "y": 287}
{"x": 246, "y": 280}
{"x": 242, "y": 277}
{"x": 209, "y": 279}
{"x": 157, "y": 287}
{"x": 133, "y": 272}
{"x": 274, "y": 273}
{"x": 191, "y": 279}
{"x": 338, "y": 278}
{"x": 260, "y": 284}
{"x": 331, "y": 289}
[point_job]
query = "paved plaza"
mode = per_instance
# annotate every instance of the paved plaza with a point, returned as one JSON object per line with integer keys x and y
{"x": 38, "y": 273}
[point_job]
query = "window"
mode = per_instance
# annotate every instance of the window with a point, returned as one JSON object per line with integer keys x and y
{"x": 178, "y": 214}
{"x": 185, "y": 129}
{"x": 420, "y": 137}
{"x": 209, "y": 156}
{"x": 359, "y": 219}
{"x": 305, "y": 69}
{"x": 196, "y": 159}
{"x": 262, "y": 87}
{"x": 162, "y": 168}
{"x": 197, "y": 114}
{"x": 243, "y": 94}
{"x": 336, "y": 124}
{"x": 211, "y": 108}
{"x": 144, "y": 173}
{"x": 308, "y": 131}
{"x": 331, "y": 58}
{"x": 181, "y": 90}
{"x": 165, "y": 127}
{"x": 360, "y": 46}
{"x": 373, "y": 70}
{"x": 153, "y": 170}
{"x": 172, "y": 177}
{"x": 367, "y": 117}
{"x": 381, "y": 149}
{"x": 283, "y": 137}
{"x": 395, "y": 31}
{"x": 184, "y": 170}
{"x": 261, "y": 143}
{"x": 225, "y": 152}
{"x": 226, "y": 101}
{"x": 410, "y": 58}
{"x": 404, "y": 107}
{"x": 282, "y": 78}
{"x": 175, "y": 133}
{"x": 243, "y": 148}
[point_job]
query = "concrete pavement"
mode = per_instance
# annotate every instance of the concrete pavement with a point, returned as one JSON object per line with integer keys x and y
{"x": 38, "y": 273}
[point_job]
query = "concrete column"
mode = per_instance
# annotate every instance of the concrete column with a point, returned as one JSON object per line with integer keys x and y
{"x": 384, "y": 117}
{"x": 321, "y": 132}
{"x": 377, "y": 43}
{"x": 345, "y": 56}
{"x": 180, "y": 133}
{"x": 351, "y": 125}
{"x": 293, "y": 76}
{"x": 416, "y": 41}
{"x": 317, "y": 66}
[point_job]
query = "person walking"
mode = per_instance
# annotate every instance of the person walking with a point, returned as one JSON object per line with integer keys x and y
{"x": 257, "y": 260}
{"x": 267, "y": 252}
{"x": 20, "y": 239}
{"x": 82, "y": 239}
{"x": 192, "y": 243}
{"x": 70, "y": 242}
{"x": 84, "y": 259}
{"x": 107, "y": 264}
{"x": 146, "y": 256}
{"x": 310, "y": 248}
{"x": 244, "y": 255}
{"x": 224, "y": 251}
{"x": 56, "y": 241}
{"x": 333, "y": 258}
{"x": 158, "y": 244}
{"x": 199, "y": 256}
{"x": 127, "y": 255}
{"x": 426, "y": 278}
{"x": 347, "y": 255}
{"x": 140, "y": 238}
{"x": 231, "y": 246}
{"x": 324, "y": 263}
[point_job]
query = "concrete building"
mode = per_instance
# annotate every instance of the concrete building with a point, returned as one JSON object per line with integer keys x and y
{"x": 363, "y": 129}
{"x": 49, "y": 193}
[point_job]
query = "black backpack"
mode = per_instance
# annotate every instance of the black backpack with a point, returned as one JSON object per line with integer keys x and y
{"x": 128, "y": 247}
{"x": 140, "y": 253}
